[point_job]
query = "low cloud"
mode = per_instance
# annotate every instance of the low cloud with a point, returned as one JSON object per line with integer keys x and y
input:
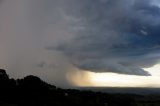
{"x": 48, "y": 38}
{"x": 113, "y": 36}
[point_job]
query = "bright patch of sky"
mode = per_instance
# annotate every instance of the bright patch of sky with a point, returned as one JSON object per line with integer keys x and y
{"x": 156, "y": 2}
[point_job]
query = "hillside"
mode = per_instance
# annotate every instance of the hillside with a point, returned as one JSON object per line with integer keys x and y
{"x": 32, "y": 91}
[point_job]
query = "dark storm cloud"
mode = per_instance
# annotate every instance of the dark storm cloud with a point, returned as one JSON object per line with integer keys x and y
{"x": 25, "y": 29}
{"x": 120, "y": 36}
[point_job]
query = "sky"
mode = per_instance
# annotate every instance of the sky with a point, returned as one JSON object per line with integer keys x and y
{"x": 82, "y": 42}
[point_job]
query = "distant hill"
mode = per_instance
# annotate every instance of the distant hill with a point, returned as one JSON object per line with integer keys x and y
{"x": 32, "y": 91}
{"x": 124, "y": 90}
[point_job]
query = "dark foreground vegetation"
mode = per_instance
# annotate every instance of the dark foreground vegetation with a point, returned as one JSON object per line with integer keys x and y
{"x": 32, "y": 91}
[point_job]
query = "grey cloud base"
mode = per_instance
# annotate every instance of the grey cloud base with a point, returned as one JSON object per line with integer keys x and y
{"x": 113, "y": 36}
{"x": 47, "y": 38}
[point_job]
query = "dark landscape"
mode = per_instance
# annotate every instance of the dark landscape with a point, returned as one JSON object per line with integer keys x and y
{"x": 32, "y": 91}
{"x": 79, "y": 52}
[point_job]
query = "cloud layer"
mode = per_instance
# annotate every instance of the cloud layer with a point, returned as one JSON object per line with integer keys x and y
{"x": 112, "y": 36}
{"x": 48, "y": 38}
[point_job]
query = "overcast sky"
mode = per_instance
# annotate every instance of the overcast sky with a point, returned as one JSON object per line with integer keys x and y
{"x": 51, "y": 38}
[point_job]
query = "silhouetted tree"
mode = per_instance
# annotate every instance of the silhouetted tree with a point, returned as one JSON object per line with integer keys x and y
{"x": 4, "y": 79}
{"x": 32, "y": 91}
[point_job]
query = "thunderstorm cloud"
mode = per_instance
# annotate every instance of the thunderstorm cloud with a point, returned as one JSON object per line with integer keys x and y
{"x": 112, "y": 36}
{"x": 50, "y": 38}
